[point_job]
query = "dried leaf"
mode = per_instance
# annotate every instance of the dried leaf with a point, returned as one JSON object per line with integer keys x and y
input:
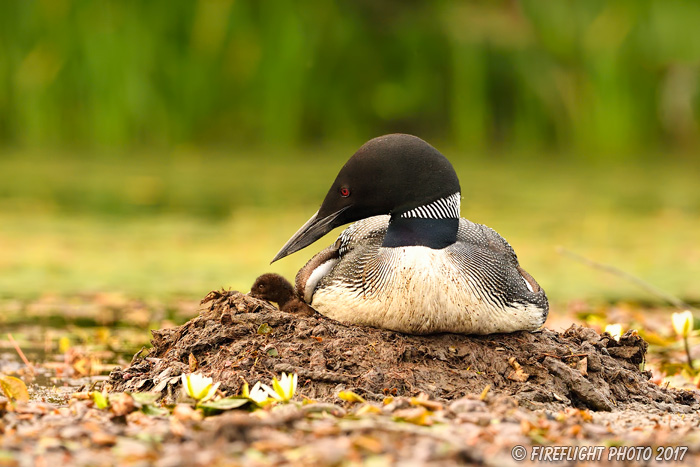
{"x": 81, "y": 396}
{"x": 350, "y": 396}
{"x": 367, "y": 409}
{"x": 161, "y": 385}
{"x": 184, "y": 412}
{"x": 14, "y": 388}
{"x": 101, "y": 400}
{"x": 417, "y": 416}
{"x": 100, "y": 438}
{"x": 194, "y": 364}
{"x": 424, "y": 401}
{"x": 264, "y": 329}
{"x": 582, "y": 366}
{"x": 122, "y": 404}
{"x": 485, "y": 392}
{"x": 369, "y": 443}
{"x": 518, "y": 374}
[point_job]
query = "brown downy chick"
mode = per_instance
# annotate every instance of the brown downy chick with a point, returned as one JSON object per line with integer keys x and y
{"x": 275, "y": 288}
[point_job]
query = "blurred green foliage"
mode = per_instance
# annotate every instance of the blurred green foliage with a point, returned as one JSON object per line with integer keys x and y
{"x": 601, "y": 78}
{"x": 171, "y": 146}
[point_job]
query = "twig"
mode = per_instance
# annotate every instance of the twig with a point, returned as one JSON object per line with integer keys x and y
{"x": 672, "y": 299}
{"x": 575, "y": 355}
{"x": 21, "y": 354}
{"x": 687, "y": 353}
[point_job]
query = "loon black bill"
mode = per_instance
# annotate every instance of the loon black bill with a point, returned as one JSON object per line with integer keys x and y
{"x": 312, "y": 230}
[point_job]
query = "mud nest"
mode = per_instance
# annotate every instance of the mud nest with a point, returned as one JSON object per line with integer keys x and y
{"x": 238, "y": 338}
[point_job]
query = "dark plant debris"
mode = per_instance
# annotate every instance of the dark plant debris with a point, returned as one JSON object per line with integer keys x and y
{"x": 365, "y": 396}
{"x": 238, "y": 338}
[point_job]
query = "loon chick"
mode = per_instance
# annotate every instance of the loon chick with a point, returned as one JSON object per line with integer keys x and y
{"x": 410, "y": 263}
{"x": 275, "y": 288}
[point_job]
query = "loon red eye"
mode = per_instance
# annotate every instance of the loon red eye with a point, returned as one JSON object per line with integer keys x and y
{"x": 345, "y": 192}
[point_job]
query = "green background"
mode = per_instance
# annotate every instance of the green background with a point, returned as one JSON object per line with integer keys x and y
{"x": 168, "y": 148}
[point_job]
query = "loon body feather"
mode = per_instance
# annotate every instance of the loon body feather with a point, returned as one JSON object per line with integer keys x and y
{"x": 474, "y": 286}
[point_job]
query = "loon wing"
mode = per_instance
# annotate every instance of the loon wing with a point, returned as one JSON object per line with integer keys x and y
{"x": 491, "y": 264}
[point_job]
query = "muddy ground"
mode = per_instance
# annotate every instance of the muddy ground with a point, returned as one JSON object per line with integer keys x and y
{"x": 238, "y": 338}
{"x": 429, "y": 400}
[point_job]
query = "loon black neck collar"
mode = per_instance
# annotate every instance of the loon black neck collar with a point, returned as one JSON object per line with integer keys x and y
{"x": 432, "y": 233}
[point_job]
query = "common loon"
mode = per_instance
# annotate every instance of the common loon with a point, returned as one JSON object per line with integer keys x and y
{"x": 410, "y": 263}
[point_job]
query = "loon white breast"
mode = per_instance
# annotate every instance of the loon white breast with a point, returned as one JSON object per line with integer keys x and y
{"x": 410, "y": 263}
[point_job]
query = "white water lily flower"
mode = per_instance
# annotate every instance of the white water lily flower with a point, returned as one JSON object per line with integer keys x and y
{"x": 198, "y": 387}
{"x": 259, "y": 394}
{"x": 682, "y": 323}
{"x": 615, "y": 330}
{"x": 284, "y": 389}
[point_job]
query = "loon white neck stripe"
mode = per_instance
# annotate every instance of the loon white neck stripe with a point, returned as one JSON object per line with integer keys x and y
{"x": 443, "y": 208}
{"x": 435, "y": 212}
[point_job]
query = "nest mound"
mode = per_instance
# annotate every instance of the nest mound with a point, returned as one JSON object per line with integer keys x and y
{"x": 239, "y": 338}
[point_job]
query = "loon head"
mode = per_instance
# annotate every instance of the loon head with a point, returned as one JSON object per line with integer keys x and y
{"x": 391, "y": 174}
